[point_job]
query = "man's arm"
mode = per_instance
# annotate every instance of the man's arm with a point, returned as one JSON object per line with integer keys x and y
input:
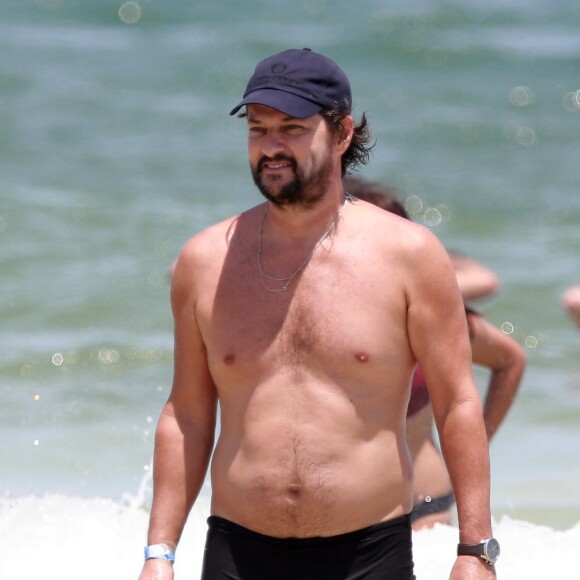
{"x": 185, "y": 431}
{"x": 439, "y": 338}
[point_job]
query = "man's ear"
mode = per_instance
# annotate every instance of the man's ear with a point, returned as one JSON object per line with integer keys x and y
{"x": 344, "y": 137}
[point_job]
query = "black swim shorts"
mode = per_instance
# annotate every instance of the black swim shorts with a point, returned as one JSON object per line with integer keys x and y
{"x": 380, "y": 552}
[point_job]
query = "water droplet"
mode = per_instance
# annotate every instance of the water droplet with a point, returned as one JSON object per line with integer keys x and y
{"x": 507, "y": 328}
{"x": 130, "y": 12}
{"x": 526, "y": 136}
{"x": 571, "y": 101}
{"x": 25, "y": 370}
{"x": 445, "y": 213}
{"x": 531, "y": 341}
{"x": 57, "y": 359}
{"x": 108, "y": 356}
{"x": 521, "y": 96}
{"x": 432, "y": 217}
{"x": 413, "y": 204}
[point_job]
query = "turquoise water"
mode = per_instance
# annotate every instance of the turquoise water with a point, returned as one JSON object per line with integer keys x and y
{"x": 116, "y": 146}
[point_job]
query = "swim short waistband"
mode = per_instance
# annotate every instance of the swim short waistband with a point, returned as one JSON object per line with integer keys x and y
{"x": 379, "y": 529}
{"x": 383, "y": 550}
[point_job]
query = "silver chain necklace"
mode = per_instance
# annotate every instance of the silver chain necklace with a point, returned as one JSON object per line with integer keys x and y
{"x": 288, "y": 279}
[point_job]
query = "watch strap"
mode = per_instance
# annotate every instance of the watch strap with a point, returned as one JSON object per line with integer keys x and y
{"x": 470, "y": 549}
{"x": 488, "y": 550}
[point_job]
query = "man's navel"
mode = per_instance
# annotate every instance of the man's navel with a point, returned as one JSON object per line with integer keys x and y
{"x": 294, "y": 490}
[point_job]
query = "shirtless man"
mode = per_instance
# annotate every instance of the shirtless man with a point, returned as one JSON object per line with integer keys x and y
{"x": 283, "y": 316}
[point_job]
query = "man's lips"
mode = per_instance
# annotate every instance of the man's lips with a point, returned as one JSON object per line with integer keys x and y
{"x": 276, "y": 164}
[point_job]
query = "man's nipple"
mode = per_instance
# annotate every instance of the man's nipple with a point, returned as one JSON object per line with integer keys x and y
{"x": 362, "y": 357}
{"x": 229, "y": 359}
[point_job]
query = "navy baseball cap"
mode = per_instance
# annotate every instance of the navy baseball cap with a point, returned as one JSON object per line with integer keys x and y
{"x": 298, "y": 82}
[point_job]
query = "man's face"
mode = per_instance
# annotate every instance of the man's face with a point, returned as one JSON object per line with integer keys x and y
{"x": 291, "y": 159}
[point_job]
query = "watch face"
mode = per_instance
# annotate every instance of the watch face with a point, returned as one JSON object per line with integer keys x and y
{"x": 492, "y": 550}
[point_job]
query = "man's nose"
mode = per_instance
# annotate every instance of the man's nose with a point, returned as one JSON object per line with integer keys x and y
{"x": 272, "y": 144}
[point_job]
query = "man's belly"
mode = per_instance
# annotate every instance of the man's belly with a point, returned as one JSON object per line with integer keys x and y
{"x": 320, "y": 484}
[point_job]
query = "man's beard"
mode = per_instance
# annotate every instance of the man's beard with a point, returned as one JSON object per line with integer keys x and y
{"x": 304, "y": 190}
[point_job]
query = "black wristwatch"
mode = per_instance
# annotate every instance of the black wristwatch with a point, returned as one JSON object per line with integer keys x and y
{"x": 487, "y": 549}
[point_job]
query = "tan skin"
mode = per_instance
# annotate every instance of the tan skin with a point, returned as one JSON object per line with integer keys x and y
{"x": 506, "y": 361}
{"x": 571, "y": 302}
{"x": 313, "y": 384}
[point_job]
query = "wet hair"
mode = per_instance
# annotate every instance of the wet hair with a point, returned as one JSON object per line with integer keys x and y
{"x": 360, "y": 147}
{"x": 382, "y": 196}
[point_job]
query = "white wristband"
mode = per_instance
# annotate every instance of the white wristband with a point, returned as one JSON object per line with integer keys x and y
{"x": 159, "y": 551}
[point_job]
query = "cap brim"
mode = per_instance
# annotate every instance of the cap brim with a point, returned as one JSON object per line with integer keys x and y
{"x": 288, "y": 103}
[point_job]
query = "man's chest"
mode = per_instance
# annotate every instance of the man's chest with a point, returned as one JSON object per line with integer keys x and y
{"x": 316, "y": 325}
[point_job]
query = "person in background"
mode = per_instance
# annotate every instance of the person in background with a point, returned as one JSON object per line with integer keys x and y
{"x": 571, "y": 302}
{"x": 433, "y": 497}
{"x": 283, "y": 323}
{"x": 474, "y": 279}
{"x": 505, "y": 359}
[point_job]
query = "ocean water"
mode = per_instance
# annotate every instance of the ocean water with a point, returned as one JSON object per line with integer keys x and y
{"x": 116, "y": 146}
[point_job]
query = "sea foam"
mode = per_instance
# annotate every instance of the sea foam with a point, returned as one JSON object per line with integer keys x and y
{"x": 57, "y": 536}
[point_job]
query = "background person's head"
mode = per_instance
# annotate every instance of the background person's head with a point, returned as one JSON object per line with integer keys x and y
{"x": 380, "y": 195}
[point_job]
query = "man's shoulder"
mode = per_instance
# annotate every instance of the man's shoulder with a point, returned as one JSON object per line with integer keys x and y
{"x": 393, "y": 229}
{"x": 213, "y": 241}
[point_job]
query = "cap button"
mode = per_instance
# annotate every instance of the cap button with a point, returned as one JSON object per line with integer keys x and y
{"x": 308, "y": 49}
